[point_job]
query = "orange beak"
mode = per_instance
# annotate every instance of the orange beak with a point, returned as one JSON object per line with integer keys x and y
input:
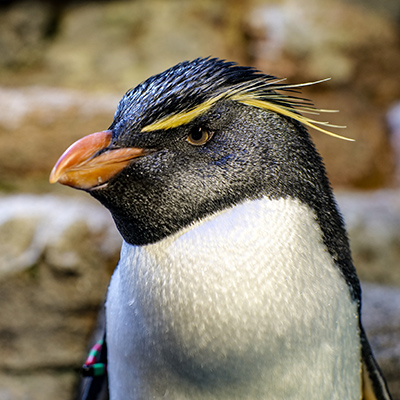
{"x": 84, "y": 166}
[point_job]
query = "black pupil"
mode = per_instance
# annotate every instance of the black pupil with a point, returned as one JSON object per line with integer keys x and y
{"x": 197, "y": 134}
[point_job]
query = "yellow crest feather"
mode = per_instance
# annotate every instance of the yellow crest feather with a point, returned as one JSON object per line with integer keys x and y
{"x": 182, "y": 118}
{"x": 259, "y": 93}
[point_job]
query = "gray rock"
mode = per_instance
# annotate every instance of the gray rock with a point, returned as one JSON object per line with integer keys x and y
{"x": 373, "y": 224}
{"x": 33, "y": 226}
{"x": 381, "y": 319}
{"x": 56, "y": 258}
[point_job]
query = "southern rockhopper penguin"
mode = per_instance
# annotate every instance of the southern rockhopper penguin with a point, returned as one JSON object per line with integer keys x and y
{"x": 235, "y": 279}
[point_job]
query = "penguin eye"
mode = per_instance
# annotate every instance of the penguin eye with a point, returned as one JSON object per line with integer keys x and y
{"x": 199, "y": 136}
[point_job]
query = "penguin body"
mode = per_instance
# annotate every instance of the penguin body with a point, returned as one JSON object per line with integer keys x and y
{"x": 221, "y": 314}
{"x": 235, "y": 279}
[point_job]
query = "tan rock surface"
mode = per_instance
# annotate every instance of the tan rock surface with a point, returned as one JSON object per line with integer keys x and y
{"x": 56, "y": 257}
{"x": 109, "y": 47}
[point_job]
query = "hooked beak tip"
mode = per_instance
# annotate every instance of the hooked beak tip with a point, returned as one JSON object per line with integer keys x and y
{"x": 90, "y": 163}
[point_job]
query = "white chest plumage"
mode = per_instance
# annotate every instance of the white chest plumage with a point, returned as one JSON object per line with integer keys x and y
{"x": 247, "y": 304}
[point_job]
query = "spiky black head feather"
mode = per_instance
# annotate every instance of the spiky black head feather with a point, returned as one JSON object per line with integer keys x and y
{"x": 182, "y": 88}
{"x": 188, "y": 89}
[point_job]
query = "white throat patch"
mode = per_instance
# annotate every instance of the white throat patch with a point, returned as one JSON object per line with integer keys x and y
{"x": 245, "y": 304}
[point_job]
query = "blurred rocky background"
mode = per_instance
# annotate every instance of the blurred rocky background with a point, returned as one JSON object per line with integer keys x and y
{"x": 63, "y": 67}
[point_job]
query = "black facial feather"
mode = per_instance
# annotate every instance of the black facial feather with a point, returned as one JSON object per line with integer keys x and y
{"x": 253, "y": 152}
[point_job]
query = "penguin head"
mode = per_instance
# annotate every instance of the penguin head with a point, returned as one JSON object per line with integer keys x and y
{"x": 192, "y": 141}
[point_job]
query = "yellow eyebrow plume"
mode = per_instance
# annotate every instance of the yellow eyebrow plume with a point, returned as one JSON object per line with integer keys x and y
{"x": 182, "y": 118}
{"x": 260, "y": 94}
{"x": 266, "y": 105}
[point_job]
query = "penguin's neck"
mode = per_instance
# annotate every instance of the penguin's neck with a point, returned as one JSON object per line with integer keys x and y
{"x": 243, "y": 304}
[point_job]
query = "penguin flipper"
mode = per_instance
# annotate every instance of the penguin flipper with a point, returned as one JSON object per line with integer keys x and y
{"x": 374, "y": 386}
